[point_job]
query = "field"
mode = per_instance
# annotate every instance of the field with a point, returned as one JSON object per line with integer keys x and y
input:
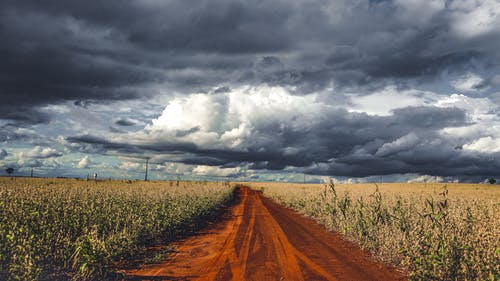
{"x": 85, "y": 230}
{"x": 258, "y": 239}
{"x": 433, "y": 231}
{"x": 64, "y": 228}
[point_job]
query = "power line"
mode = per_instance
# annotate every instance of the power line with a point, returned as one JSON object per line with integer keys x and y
{"x": 146, "y": 174}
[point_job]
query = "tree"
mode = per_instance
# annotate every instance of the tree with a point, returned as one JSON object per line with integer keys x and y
{"x": 9, "y": 170}
{"x": 492, "y": 181}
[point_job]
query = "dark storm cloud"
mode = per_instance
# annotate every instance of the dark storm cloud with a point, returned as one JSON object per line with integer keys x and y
{"x": 439, "y": 160}
{"x": 22, "y": 115}
{"x": 341, "y": 144}
{"x": 125, "y": 122}
{"x": 14, "y": 133}
{"x": 71, "y": 51}
{"x": 115, "y": 130}
{"x": 82, "y": 103}
{"x": 55, "y": 51}
{"x": 3, "y": 153}
{"x": 92, "y": 54}
{"x": 103, "y": 145}
{"x": 428, "y": 118}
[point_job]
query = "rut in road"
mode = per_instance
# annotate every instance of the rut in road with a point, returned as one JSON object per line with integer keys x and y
{"x": 261, "y": 240}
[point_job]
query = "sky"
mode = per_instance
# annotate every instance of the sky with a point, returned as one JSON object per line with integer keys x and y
{"x": 355, "y": 90}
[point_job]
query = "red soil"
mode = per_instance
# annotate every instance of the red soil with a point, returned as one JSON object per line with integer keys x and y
{"x": 261, "y": 240}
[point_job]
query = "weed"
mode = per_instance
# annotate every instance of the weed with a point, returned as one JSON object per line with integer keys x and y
{"x": 450, "y": 234}
{"x": 83, "y": 227}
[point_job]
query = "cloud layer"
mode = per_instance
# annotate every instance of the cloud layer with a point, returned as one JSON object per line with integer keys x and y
{"x": 347, "y": 88}
{"x": 269, "y": 128}
{"x": 55, "y": 51}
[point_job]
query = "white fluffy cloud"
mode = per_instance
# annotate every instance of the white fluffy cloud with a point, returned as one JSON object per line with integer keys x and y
{"x": 468, "y": 83}
{"x": 228, "y": 120}
{"x": 213, "y": 171}
{"x": 473, "y": 18}
{"x": 84, "y": 162}
{"x": 418, "y": 11}
{"x": 486, "y": 144}
{"x": 249, "y": 118}
{"x": 392, "y": 99}
{"x": 269, "y": 128}
{"x": 232, "y": 120}
{"x": 483, "y": 134}
{"x": 127, "y": 165}
{"x": 427, "y": 178}
{"x": 403, "y": 143}
{"x": 478, "y": 108}
{"x": 39, "y": 152}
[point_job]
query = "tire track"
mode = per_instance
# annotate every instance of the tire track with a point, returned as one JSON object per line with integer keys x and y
{"x": 261, "y": 240}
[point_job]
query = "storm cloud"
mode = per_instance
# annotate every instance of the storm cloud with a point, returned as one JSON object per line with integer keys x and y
{"x": 350, "y": 88}
{"x": 53, "y": 51}
{"x": 269, "y": 129}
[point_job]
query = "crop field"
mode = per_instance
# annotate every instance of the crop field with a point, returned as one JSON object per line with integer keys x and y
{"x": 62, "y": 229}
{"x": 74, "y": 229}
{"x": 433, "y": 231}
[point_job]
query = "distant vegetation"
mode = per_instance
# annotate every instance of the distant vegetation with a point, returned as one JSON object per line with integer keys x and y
{"x": 73, "y": 229}
{"x": 435, "y": 231}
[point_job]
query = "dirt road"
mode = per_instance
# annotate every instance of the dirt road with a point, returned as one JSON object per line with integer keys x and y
{"x": 261, "y": 240}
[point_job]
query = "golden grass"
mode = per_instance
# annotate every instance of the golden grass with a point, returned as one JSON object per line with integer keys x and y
{"x": 434, "y": 231}
{"x": 80, "y": 228}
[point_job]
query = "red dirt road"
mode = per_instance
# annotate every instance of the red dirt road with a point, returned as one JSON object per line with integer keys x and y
{"x": 261, "y": 240}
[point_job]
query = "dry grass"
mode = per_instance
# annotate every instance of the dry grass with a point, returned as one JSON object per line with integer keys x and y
{"x": 433, "y": 231}
{"x": 80, "y": 228}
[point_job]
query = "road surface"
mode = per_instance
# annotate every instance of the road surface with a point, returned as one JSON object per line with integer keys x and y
{"x": 261, "y": 240}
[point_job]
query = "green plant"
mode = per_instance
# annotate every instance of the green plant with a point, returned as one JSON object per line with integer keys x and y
{"x": 450, "y": 234}
{"x": 80, "y": 229}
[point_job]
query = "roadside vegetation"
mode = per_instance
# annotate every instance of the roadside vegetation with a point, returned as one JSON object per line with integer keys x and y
{"x": 432, "y": 231}
{"x": 73, "y": 229}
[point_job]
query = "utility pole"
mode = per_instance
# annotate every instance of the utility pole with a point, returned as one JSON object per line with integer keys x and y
{"x": 146, "y": 175}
